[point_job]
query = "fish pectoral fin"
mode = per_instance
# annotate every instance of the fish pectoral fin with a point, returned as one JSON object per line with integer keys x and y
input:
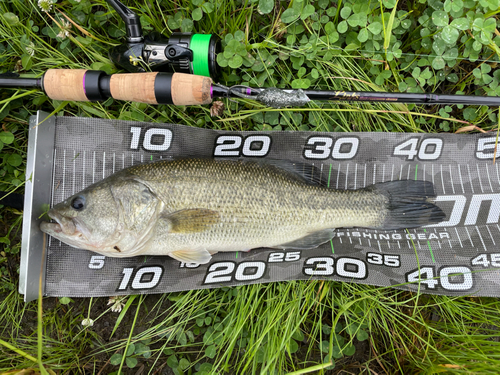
{"x": 200, "y": 256}
{"x": 310, "y": 241}
{"x": 192, "y": 220}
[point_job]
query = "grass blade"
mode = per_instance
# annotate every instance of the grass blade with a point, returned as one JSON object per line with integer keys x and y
{"x": 122, "y": 313}
{"x": 388, "y": 30}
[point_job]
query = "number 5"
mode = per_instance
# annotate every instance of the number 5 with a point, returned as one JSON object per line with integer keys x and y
{"x": 96, "y": 262}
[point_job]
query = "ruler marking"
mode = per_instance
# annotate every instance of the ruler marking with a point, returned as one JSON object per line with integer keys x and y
{"x": 379, "y": 248}
{"x": 355, "y": 175}
{"x": 369, "y": 243}
{"x": 446, "y": 230}
{"x": 409, "y": 167}
{"x": 399, "y": 245}
{"x": 114, "y": 161}
{"x": 461, "y": 181}
{"x": 489, "y": 179}
{"x": 74, "y": 170}
{"x": 472, "y": 244}
{"x": 481, "y": 238}
{"x": 458, "y": 236}
{"x": 498, "y": 177}
{"x": 93, "y": 168}
{"x": 123, "y": 160}
{"x": 346, "y": 174}
{"x": 364, "y": 180}
{"x": 329, "y": 175}
{"x": 401, "y": 172}
{"x": 451, "y": 178}
{"x": 392, "y": 173}
{"x": 103, "y": 165}
{"x": 424, "y": 173}
{"x": 470, "y": 179}
{"x": 64, "y": 174}
{"x": 492, "y": 239}
{"x": 442, "y": 179}
{"x": 430, "y": 248}
{"x": 388, "y": 245}
{"x": 383, "y": 172}
{"x": 432, "y": 171}
{"x": 338, "y": 177}
{"x": 479, "y": 178}
{"x": 374, "y": 173}
{"x": 84, "y": 167}
{"x": 416, "y": 172}
{"x": 142, "y": 158}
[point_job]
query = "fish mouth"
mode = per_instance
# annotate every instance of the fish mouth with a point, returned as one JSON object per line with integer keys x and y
{"x": 63, "y": 228}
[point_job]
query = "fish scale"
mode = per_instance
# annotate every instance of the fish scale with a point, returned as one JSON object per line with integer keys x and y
{"x": 259, "y": 204}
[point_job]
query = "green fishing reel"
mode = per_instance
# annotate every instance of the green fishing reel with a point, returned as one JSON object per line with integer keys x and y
{"x": 182, "y": 52}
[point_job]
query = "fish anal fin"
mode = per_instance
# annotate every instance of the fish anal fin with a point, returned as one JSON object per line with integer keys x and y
{"x": 192, "y": 220}
{"x": 310, "y": 241}
{"x": 199, "y": 256}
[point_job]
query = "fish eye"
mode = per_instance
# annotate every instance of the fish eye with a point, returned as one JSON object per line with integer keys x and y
{"x": 78, "y": 203}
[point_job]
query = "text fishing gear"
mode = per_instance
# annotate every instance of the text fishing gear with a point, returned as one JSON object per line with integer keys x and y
{"x": 189, "y": 89}
{"x": 182, "y": 52}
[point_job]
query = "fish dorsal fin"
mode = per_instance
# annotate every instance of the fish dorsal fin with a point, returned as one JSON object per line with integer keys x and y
{"x": 310, "y": 241}
{"x": 200, "y": 256}
{"x": 191, "y": 220}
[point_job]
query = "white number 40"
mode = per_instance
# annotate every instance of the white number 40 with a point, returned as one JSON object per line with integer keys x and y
{"x": 429, "y": 149}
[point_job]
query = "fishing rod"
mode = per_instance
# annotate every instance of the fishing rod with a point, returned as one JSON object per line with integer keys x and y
{"x": 182, "y": 71}
{"x": 189, "y": 89}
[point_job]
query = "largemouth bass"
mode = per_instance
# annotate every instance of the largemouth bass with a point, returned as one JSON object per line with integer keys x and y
{"x": 190, "y": 209}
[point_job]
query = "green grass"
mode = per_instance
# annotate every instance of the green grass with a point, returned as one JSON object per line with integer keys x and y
{"x": 290, "y": 327}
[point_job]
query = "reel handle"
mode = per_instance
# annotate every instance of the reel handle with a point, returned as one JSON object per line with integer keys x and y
{"x": 150, "y": 88}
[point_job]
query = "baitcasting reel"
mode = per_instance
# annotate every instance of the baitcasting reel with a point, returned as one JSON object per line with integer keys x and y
{"x": 183, "y": 52}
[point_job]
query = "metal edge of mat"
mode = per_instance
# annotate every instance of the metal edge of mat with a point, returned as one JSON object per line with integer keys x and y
{"x": 39, "y": 164}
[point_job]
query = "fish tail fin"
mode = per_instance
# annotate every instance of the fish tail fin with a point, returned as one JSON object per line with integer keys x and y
{"x": 409, "y": 204}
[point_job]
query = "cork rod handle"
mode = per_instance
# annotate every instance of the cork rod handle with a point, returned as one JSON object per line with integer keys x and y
{"x": 65, "y": 84}
{"x": 150, "y": 88}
